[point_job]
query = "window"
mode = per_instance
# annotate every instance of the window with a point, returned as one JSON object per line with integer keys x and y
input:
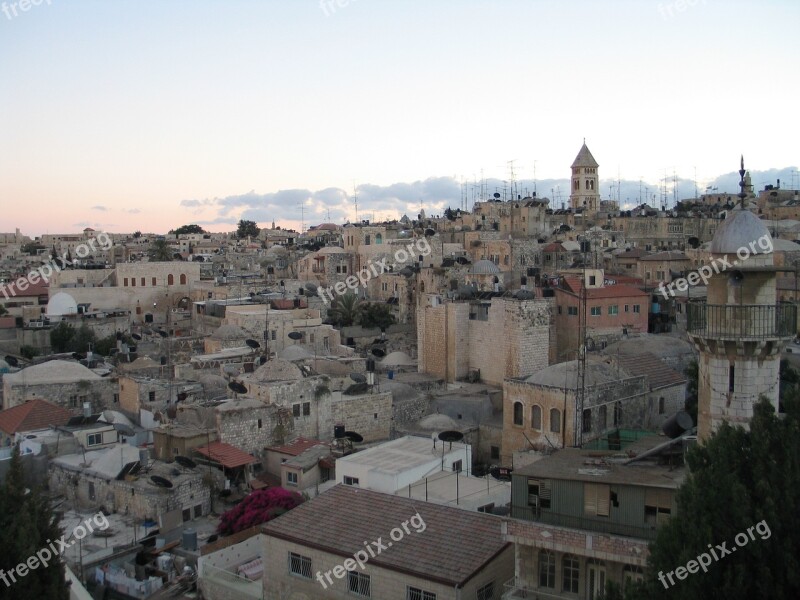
{"x": 517, "y": 413}
{"x": 347, "y": 480}
{"x": 486, "y": 508}
{"x": 486, "y": 592}
{"x": 260, "y": 424}
{"x": 547, "y": 569}
{"x": 559, "y": 310}
{"x": 572, "y": 311}
{"x": 494, "y": 452}
{"x": 183, "y": 279}
{"x": 539, "y": 493}
{"x": 536, "y": 417}
{"x": 657, "y": 506}
{"x": 306, "y": 409}
{"x": 597, "y": 311}
{"x": 187, "y": 514}
{"x": 291, "y": 478}
{"x": 153, "y": 281}
{"x": 570, "y": 571}
{"x": 133, "y": 281}
{"x": 661, "y": 407}
{"x": 295, "y": 410}
{"x": 617, "y": 414}
{"x": 592, "y": 280}
{"x": 596, "y": 499}
{"x": 457, "y": 466}
{"x": 358, "y": 583}
{"x": 91, "y": 490}
{"x": 94, "y": 439}
{"x": 125, "y": 282}
{"x": 413, "y": 593}
{"x": 555, "y": 420}
{"x": 636, "y": 308}
{"x": 603, "y": 417}
{"x": 731, "y": 378}
{"x": 198, "y": 511}
{"x": 613, "y": 309}
{"x": 151, "y": 396}
{"x": 626, "y": 308}
{"x": 587, "y": 420}
{"x": 300, "y": 565}
{"x": 170, "y": 279}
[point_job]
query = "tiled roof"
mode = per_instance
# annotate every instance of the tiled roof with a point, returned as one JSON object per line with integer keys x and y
{"x": 615, "y": 291}
{"x": 658, "y": 374}
{"x": 32, "y": 415}
{"x": 40, "y": 288}
{"x": 297, "y": 447}
{"x": 226, "y": 455}
{"x": 453, "y": 547}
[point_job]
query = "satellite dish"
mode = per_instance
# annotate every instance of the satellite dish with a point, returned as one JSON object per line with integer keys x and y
{"x": 735, "y": 278}
{"x": 237, "y": 387}
{"x": 296, "y": 335}
{"x": 253, "y": 344}
{"x": 497, "y": 194}
{"x": 430, "y": 232}
{"x": 124, "y": 429}
{"x": 356, "y": 389}
{"x": 147, "y": 331}
{"x": 354, "y": 437}
{"x": 12, "y": 360}
{"x": 379, "y": 352}
{"x": 262, "y": 360}
{"x": 136, "y": 336}
{"x": 451, "y": 436}
{"x": 161, "y": 481}
{"x": 311, "y": 287}
{"x": 185, "y": 461}
{"x": 358, "y": 377}
{"x": 181, "y": 397}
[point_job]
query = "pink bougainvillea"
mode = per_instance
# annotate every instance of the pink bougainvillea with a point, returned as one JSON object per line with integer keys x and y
{"x": 258, "y": 507}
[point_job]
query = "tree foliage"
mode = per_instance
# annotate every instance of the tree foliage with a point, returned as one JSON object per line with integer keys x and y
{"x": 247, "y": 229}
{"x": 186, "y": 229}
{"x": 27, "y": 524}
{"x": 159, "y": 251}
{"x": 345, "y": 310}
{"x": 66, "y": 338}
{"x": 377, "y": 315}
{"x": 738, "y": 480}
{"x": 258, "y": 507}
{"x": 692, "y": 375}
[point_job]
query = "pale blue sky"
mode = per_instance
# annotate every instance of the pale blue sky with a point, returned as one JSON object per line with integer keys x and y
{"x": 135, "y": 107}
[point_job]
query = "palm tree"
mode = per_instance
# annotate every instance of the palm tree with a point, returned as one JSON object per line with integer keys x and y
{"x": 159, "y": 251}
{"x": 345, "y": 310}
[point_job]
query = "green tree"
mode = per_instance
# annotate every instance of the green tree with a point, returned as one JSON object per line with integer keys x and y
{"x": 737, "y": 480}
{"x": 27, "y": 525}
{"x": 3, "y": 310}
{"x": 28, "y": 352}
{"x": 60, "y": 337}
{"x": 247, "y": 229}
{"x": 184, "y": 229}
{"x": 344, "y": 310}
{"x": 159, "y": 251}
{"x": 377, "y": 315}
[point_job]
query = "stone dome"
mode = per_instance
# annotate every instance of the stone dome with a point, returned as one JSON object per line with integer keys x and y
{"x": 484, "y": 267}
{"x": 741, "y": 229}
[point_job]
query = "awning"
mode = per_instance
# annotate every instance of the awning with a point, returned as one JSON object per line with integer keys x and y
{"x": 226, "y": 455}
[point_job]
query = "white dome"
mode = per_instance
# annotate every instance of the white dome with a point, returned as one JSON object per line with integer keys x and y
{"x": 62, "y": 304}
{"x": 742, "y": 229}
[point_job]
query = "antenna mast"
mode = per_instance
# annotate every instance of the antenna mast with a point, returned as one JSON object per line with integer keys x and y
{"x": 355, "y": 199}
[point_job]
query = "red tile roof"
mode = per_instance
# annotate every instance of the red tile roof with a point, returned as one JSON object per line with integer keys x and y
{"x": 615, "y": 291}
{"x": 453, "y": 547}
{"x": 297, "y": 447}
{"x": 226, "y": 455}
{"x": 32, "y": 415}
{"x": 40, "y": 288}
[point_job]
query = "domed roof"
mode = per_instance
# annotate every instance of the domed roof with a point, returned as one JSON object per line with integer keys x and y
{"x": 398, "y": 358}
{"x": 438, "y": 422}
{"x": 62, "y": 304}
{"x": 328, "y": 227}
{"x": 484, "y": 267}
{"x": 567, "y": 373}
{"x": 229, "y": 332}
{"x": 296, "y": 352}
{"x": 276, "y": 370}
{"x": 741, "y": 229}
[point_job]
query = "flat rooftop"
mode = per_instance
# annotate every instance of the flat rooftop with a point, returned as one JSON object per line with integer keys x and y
{"x": 402, "y": 454}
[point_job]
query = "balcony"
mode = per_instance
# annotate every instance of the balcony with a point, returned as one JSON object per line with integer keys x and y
{"x": 517, "y": 588}
{"x": 744, "y": 322}
{"x": 598, "y": 524}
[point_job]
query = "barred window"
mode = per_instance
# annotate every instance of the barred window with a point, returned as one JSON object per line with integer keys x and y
{"x": 299, "y": 565}
{"x": 358, "y": 583}
{"x": 413, "y": 593}
{"x": 486, "y": 592}
{"x": 570, "y": 570}
{"x": 547, "y": 569}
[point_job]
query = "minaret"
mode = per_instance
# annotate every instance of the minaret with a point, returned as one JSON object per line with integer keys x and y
{"x": 740, "y": 329}
{"x": 585, "y": 191}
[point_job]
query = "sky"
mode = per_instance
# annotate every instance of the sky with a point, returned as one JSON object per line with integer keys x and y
{"x": 143, "y": 115}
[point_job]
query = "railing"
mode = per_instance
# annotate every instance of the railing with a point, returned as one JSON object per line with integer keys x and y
{"x": 599, "y": 524}
{"x": 743, "y": 322}
{"x": 517, "y": 588}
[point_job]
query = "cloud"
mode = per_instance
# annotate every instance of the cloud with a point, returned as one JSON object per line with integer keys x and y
{"x": 133, "y": 211}
{"x": 99, "y": 207}
{"x": 196, "y": 203}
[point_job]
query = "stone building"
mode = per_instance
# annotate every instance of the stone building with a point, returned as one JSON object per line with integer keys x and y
{"x": 453, "y": 337}
{"x": 65, "y": 383}
{"x": 585, "y": 190}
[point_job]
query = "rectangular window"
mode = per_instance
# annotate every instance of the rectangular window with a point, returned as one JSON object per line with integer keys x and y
{"x": 572, "y": 311}
{"x": 627, "y": 308}
{"x": 413, "y": 593}
{"x": 539, "y": 493}
{"x": 486, "y": 592}
{"x": 731, "y": 378}
{"x": 592, "y": 280}
{"x": 198, "y": 511}
{"x": 91, "y": 490}
{"x": 358, "y": 584}
{"x": 291, "y": 478}
{"x": 153, "y": 281}
{"x": 187, "y": 514}
{"x": 94, "y": 439}
{"x": 494, "y": 452}
{"x": 596, "y": 311}
{"x": 306, "y": 409}
{"x": 260, "y": 424}
{"x": 636, "y": 308}
{"x": 347, "y": 480}
{"x": 613, "y": 309}
{"x": 151, "y": 396}
{"x": 457, "y": 465}
{"x": 657, "y": 506}
{"x": 300, "y": 565}
{"x": 295, "y": 410}
{"x": 596, "y": 499}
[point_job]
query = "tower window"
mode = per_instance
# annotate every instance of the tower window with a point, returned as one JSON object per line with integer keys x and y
{"x": 731, "y": 378}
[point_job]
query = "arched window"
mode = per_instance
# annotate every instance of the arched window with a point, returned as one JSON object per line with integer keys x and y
{"x": 517, "y": 413}
{"x": 555, "y": 420}
{"x": 587, "y": 420}
{"x": 536, "y": 417}
{"x": 170, "y": 279}
{"x": 378, "y": 238}
{"x": 570, "y": 573}
{"x": 183, "y": 279}
{"x": 547, "y": 569}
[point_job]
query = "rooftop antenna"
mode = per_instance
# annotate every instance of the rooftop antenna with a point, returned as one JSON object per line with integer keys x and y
{"x": 302, "y": 217}
{"x": 742, "y": 193}
{"x": 695, "y": 183}
{"x": 674, "y": 187}
{"x": 355, "y": 199}
{"x": 534, "y": 178}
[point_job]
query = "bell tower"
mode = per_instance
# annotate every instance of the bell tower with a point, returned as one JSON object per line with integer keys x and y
{"x": 740, "y": 329}
{"x": 585, "y": 191}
